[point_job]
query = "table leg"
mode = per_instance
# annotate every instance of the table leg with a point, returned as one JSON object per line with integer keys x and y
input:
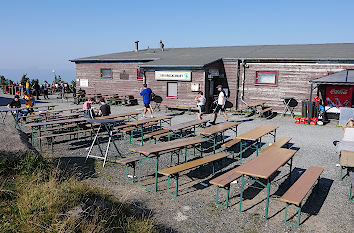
{"x": 241, "y": 194}
{"x": 267, "y": 203}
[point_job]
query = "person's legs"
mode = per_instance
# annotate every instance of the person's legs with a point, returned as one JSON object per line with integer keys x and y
{"x": 225, "y": 116}
{"x": 149, "y": 109}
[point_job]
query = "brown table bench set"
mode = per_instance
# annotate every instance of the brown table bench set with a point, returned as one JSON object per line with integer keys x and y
{"x": 256, "y": 108}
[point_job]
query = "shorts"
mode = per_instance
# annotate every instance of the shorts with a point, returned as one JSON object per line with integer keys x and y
{"x": 147, "y": 105}
{"x": 218, "y": 108}
{"x": 201, "y": 109}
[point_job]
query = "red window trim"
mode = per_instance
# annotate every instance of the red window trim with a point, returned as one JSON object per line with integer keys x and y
{"x": 270, "y": 84}
{"x": 171, "y": 96}
{"x": 106, "y": 76}
{"x": 138, "y": 73}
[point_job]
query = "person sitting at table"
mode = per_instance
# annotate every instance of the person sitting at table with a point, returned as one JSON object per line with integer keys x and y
{"x": 88, "y": 104}
{"x": 347, "y": 142}
{"x": 105, "y": 109}
{"x": 15, "y": 103}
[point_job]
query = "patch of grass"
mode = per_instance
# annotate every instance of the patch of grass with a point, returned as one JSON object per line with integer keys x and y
{"x": 34, "y": 199}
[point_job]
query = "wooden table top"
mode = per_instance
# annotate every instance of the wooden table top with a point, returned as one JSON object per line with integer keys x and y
{"x": 255, "y": 104}
{"x": 266, "y": 163}
{"x": 170, "y": 145}
{"x": 66, "y": 121}
{"x": 347, "y": 158}
{"x": 57, "y": 110}
{"x": 185, "y": 125}
{"x": 256, "y": 133}
{"x": 148, "y": 120}
{"x": 218, "y": 128}
{"x": 119, "y": 115}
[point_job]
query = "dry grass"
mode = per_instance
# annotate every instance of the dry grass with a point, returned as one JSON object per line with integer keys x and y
{"x": 34, "y": 199}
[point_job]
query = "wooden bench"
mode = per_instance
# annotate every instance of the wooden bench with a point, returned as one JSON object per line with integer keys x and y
{"x": 265, "y": 110}
{"x": 153, "y": 135}
{"x": 346, "y": 161}
{"x": 179, "y": 107}
{"x": 129, "y": 162}
{"x": 173, "y": 172}
{"x": 51, "y": 137}
{"x": 229, "y": 144}
{"x": 279, "y": 143}
{"x": 298, "y": 191}
{"x": 224, "y": 181}
{"x": 131, "y": 129}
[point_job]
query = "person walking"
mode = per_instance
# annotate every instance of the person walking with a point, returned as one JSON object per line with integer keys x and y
{"x": 37, "y": 88}
{"x": 200, "y": 99}
{"x": 220, "y": 105}
{"x": 46, "y": 86}
{"x": 62, "y": 86}
{"x": 145, "y": 92}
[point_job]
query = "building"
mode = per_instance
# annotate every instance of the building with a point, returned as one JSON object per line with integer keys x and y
{"x": 247, "y": 73}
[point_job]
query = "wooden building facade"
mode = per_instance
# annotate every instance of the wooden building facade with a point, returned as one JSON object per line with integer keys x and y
{"x": 247, "y": 73}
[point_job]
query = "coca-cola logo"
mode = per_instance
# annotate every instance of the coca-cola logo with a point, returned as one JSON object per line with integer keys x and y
{"x": 339, "y": 92}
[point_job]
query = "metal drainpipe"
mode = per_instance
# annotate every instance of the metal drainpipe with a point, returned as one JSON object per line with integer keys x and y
{"x": 243, "y": 80}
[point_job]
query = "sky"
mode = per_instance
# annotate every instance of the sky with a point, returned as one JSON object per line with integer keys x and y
{"x": 39, "y": 36}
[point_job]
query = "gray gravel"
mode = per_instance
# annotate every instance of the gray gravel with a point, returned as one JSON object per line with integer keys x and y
{"x": 194, "y": 210}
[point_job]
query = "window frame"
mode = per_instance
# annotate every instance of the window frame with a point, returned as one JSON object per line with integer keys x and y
{"x": 267, "y": 84}
{"x": 106, "y": 76}
{"x": 167, "y": 94}
{"x": 138, "y": 77}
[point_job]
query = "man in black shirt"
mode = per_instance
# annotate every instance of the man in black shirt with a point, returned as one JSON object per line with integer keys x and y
{"x": 15, "y": 103}
{"x": 105, "y": 109}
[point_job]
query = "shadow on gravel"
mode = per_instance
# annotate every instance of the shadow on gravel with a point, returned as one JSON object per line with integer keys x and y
{"x": 75, "y": 167}
{"x": 5, "y": 101}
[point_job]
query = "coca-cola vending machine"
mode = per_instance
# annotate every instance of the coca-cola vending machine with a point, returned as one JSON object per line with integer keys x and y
{"x": 338, "y": 96}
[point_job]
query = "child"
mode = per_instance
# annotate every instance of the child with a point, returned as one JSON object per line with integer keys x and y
{"x": 200, "y": 99}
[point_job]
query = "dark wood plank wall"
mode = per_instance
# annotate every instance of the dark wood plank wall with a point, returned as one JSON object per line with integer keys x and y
{"x": 91, "y": 71}
{"x": 185, "y": 95}
{"x": 293, "y": 81}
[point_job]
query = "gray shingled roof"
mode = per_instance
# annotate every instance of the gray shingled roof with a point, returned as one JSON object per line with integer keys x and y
{"x": 345, "y": 77}
{"x": 198, "y": 57}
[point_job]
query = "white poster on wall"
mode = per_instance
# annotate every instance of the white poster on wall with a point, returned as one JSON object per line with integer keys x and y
{"x": 83, "y": 82}
{"x": 173, "y": 75}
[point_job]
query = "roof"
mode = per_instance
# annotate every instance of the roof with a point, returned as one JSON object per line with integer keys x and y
{"x": 200, "y": 56}
{"x": 345, "y": 77}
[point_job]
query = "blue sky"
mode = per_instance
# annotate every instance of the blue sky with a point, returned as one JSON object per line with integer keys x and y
{"x": 37, "y": 36}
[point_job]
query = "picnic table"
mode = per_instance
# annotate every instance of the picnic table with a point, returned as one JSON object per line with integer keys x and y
{"x": 14, "y": 112}
{"x": 140, "y": 124}
{"x": 154, "y": 151}
{"x": 48, "y": 106}
{"x": 107, "y": 124}
{"x": 130, "y": 115}
{"x": 55, "y": 117}
{"x": 179, "y": 128}
{"x": 262, "y": 168}
{"x": 57, "y": 111}
{"x": 37, "y": 126}
{"x": 215, "y": 130}
{"x": 255, "y": 136}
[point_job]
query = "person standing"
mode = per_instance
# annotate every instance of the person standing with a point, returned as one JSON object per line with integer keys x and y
{"x": 45, "y": 90}
{"x": 37, "y": 88}
{"x": 28, "y": 87}
{"x": 220, "y": 105}
{"x": 62, "y": 86}
{"x": 105, "y": 109}
{"x": 200, "y": 99}
{"x": 145, "y": 92}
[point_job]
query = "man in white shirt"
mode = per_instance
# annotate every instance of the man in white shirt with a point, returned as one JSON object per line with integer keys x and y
{"x": 220, "y": 105}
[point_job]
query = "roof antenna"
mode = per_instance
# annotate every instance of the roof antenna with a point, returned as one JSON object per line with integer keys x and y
{"x": 162, "y": 46}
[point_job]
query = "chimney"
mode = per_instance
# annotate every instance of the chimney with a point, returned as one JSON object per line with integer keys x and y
{"x": 136, "y": 46}
{"x": 162, "y": 46}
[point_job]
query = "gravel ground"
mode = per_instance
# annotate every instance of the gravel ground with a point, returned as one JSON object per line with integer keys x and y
{"x": 194, "y": 209}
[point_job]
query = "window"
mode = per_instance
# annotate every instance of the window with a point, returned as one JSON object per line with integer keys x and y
{"x": 141, "y": 74}
{"x": 106, "y": 73}
{"x": 266, "y": 78}
{"x": 171, "y": 89}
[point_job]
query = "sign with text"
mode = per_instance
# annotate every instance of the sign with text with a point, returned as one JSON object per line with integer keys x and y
{"x": 173, "y": 75}
{"x": 339, "y": 96}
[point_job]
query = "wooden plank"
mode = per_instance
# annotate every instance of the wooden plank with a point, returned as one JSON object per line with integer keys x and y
{"x": 255, "y": 104}
{"x": 267, "y": 163}
{"x": 218, "y": 128}
{"x": 67, "y": 121}
{"x": 192, "y": 164}
{"x": 347, "y": 158}
{"x": 257, "y": 133}
{"x": 170, "y": 145}
{"x": 185, "y": 125}
{"x": 230, "y": 143}
{"x": 144, "y": 121}
{"x": 226, "y": 178}
{"x": 302, "y": 186}
{"x": 279, "y": 143}
{"x": 125, "y": 161}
